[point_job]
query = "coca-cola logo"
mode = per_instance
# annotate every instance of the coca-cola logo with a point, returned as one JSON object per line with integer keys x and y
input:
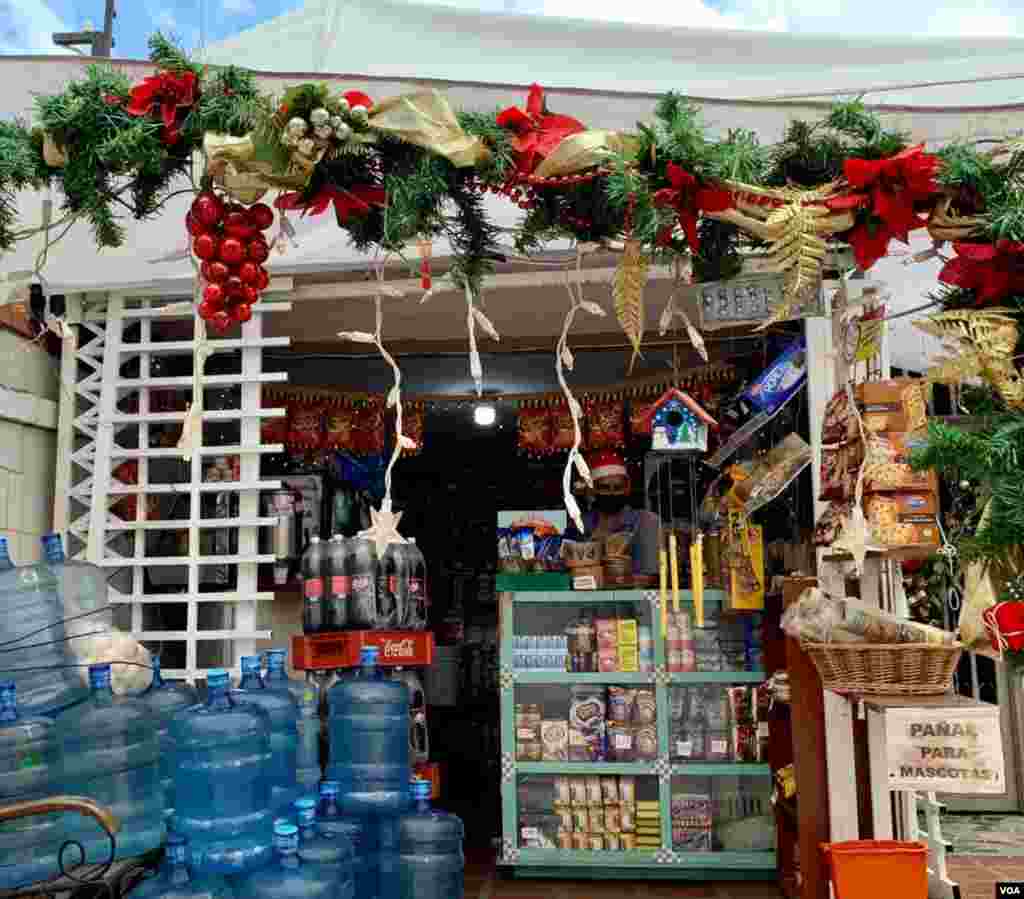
{"x": 399, "y": 648}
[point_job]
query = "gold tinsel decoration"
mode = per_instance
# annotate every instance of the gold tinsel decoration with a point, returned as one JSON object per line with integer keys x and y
{"x": 628, "y": 293}
{"x": 983, "y": 342}
{"x": 796, "y": 223}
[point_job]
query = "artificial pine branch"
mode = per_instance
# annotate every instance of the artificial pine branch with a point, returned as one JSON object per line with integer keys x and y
{"x": 21, "y": 167}
{"x": 485, "y": 126}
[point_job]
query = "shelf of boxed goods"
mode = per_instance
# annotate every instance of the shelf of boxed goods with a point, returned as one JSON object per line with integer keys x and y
{"x": 665, "y": 862}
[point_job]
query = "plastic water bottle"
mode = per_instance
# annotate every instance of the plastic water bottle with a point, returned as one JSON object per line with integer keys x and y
{"x": 307, "y": 696}
{"x": 221, "y": 791}
{"x": 369, "y": 734}
{"x": 352, "y": 831}
{"x": 110, "y": 752}
{"x": 176, "y": 881}
{"x": 284, "y": 735}
{"x": 430, "y": 861}
{"x": 287, "y": 877}
{"x": 32, "y": 629}
{"x": 29, "y": 769}
{"x": 164, "y": 698}
{"x": 331, "y": 854}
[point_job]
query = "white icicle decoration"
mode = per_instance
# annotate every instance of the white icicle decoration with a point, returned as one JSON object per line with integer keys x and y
{"x": 476, "y": 369}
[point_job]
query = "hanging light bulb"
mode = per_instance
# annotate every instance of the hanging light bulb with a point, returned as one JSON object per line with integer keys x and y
{"x": 485, "y": 416}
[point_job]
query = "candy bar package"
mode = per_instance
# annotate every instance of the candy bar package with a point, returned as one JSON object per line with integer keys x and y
{"x": 621, "y": 745}
{"x": 580, "y": 818}
{"x": 565, "y": 816}
{"x": 596, "y": 818}
{"x": 607, "y": 633}
{"x": 581, "y": 840}
{"x": 587, "y": 745}
{"x": 613, "y": 842}
{"x": 627, "y": 790}
{"x": 564, "y": 839}
{"x": 645, "y": 707}
{"x": 613, "y": 818}
{"x": 587, "y": 708}
{"x": 578, "y": 791}
{"x": 628, "y": 841}
{"x": 554, "y": 739}
{"x": 608, "y": 660}
{"x": 594, "y": 790}
{"x": 563, "y": 796}
{"x": 596, "y": 841}
{"x": 771, "y": 389}
{"x": 621, "y": 704}
{"x": 627, "y": 818}
{"x": 691, "y": 839}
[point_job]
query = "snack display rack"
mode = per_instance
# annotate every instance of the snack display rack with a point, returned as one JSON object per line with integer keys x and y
{"x": 666, "y": 862}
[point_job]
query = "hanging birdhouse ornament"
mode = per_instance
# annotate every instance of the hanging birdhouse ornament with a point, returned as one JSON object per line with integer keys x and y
{"x": 677, "y": 423}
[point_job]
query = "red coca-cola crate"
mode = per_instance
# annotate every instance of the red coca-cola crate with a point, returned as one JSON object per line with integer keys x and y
{"x": 408, "y": 649}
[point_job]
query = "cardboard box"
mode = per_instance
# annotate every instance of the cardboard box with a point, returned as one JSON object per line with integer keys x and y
{"x": 895, "y": 406}
{"x": 897, "y": 475}
{"x": 903, "y": 519}
{"x": 554, "y": 740}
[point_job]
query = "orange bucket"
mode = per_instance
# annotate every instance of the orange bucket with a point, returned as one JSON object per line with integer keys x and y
{"x": 860, "y": 868}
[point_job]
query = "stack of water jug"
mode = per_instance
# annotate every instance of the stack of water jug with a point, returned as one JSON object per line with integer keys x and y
{"x": 230, "y": 786}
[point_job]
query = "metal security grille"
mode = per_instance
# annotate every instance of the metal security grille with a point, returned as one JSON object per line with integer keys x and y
{"x": 179, "y": 536}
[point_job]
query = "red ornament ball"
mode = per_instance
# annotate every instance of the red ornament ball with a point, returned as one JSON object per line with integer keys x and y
{"x": 208, "y": 209}
{"x": 250, "y": 294}
{"x": 258, "y": 251}
{"x": 205, "y": 246}
{"x": 249, "y": 272}
{"x": 214, "y": 295}
{"x": 220, "y": 320}
{"x": 242, "y": 312}
{"x": 236, "y": 224}
{"x": 261, "y": 216}
{"x": 264, "y": 279}
{"x": 194, "y": 226}
{"x": 207, "y": 311}
{"x": 232, "y": 250}
{"x": 233, "y": 287}
{"x": 218, "y": 272}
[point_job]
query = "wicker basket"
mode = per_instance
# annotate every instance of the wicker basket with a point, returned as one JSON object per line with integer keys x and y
{"x": 881, "y": 669}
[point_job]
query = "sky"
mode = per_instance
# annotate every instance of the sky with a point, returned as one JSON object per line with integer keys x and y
{"x": 26, "y": 25}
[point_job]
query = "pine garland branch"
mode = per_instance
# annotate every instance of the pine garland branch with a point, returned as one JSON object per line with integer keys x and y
{"x": 497, "y": 139}
{"x": 21, "y": 167}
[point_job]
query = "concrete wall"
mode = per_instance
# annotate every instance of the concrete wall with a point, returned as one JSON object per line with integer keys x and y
{"x": 28, "y": 443}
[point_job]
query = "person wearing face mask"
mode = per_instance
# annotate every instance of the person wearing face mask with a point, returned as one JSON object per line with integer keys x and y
{"x": 612, "y": 514}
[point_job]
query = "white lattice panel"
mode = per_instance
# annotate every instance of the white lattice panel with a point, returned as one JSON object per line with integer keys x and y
{"x": 160, "y": 536}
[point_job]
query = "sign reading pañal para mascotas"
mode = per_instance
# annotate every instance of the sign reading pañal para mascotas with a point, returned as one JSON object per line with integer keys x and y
{"x": 951, "y": 750}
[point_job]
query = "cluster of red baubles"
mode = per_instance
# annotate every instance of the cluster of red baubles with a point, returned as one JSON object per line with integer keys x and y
{"x": 229, "y": 240}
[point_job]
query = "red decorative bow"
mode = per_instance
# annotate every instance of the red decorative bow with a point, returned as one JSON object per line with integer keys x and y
{"x": 689, "y": 200}
{"x": 896, "y": 184}
{"x": 357, "y": 98}
{"x": 170, "y": 91}
{"x": 992, "y": 271}
{"x": 356, "y": 201}
{"x": 537, "y": 132}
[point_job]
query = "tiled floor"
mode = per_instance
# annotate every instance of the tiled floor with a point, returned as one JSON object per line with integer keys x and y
{"x": 978, "y": 874}
{"x": 483, "y": 882}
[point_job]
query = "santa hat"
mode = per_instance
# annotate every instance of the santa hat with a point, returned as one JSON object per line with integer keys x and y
{"x": 607, "y": 464}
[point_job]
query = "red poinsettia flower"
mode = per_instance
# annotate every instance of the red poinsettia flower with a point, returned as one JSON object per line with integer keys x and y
{"x": 689, "y": 199}
{"x": 347, "y": 203}
{"x": 537, "y": 132}
{"x": 167, "y": 92}
{"x": 895, "y": 185}
{"x": 992, "y": 271}
{"x": 870, "y": 242}
{"x": 358, "y": 98}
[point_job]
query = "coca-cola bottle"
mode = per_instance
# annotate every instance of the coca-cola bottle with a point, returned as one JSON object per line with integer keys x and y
{"x": 392, "y": 586}
{"x": 313, "y": 617}
{"x": 338, "y": 584}
{"x": 361, "y": 563}
{"x": 417, "y": 602}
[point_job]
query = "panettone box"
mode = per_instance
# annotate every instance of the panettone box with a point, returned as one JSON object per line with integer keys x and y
{"x": 895, "y": 473}
{"x": 890, "y": 407}
{"x": 903, "y": 518}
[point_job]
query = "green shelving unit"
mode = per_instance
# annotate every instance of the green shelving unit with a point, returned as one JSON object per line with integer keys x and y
{"x": 666, "y": 863}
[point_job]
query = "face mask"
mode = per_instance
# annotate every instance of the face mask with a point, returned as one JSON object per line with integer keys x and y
{"x": 610, "y": 504}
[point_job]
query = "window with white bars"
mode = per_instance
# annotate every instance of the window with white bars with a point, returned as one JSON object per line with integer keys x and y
{"x": 181, "y": 537}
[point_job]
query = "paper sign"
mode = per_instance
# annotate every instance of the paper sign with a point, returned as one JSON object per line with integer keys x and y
{"x": 953, "y": 750}
{"x": 750, "y": 298}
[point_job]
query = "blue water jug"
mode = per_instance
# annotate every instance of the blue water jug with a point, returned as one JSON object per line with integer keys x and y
{"x": 333, "y": 855}
{"x": 430, "y": 861}
{"x": 110, "y": 752}
{"x": 32, "y": 630}
{"x": 287, "y": 877}
{"x": 386, "y": 855}
{"x": 352, "y": 831}
{"x": 221, "y": 792}
{"x": 284, "y": 735}
{"x": 369, "y": 735}
{"x": 164, "y": 698}
{"x": 176, "y": 880}
{"x": 29, "y": 769}
{"x": 307, "y": 696}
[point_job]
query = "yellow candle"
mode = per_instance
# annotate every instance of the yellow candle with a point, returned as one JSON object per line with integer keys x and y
{"x": 663, "y": 582}
{"x": 697, "y": 569}
{"x": 673, "y": 552}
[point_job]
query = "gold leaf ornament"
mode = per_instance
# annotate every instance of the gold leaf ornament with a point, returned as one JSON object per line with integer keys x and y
{"x": 628, "y": 294}
{"x": 234, "y": 164}
{"x": 582, "y": 151}
{"x": 426, "y": 120}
